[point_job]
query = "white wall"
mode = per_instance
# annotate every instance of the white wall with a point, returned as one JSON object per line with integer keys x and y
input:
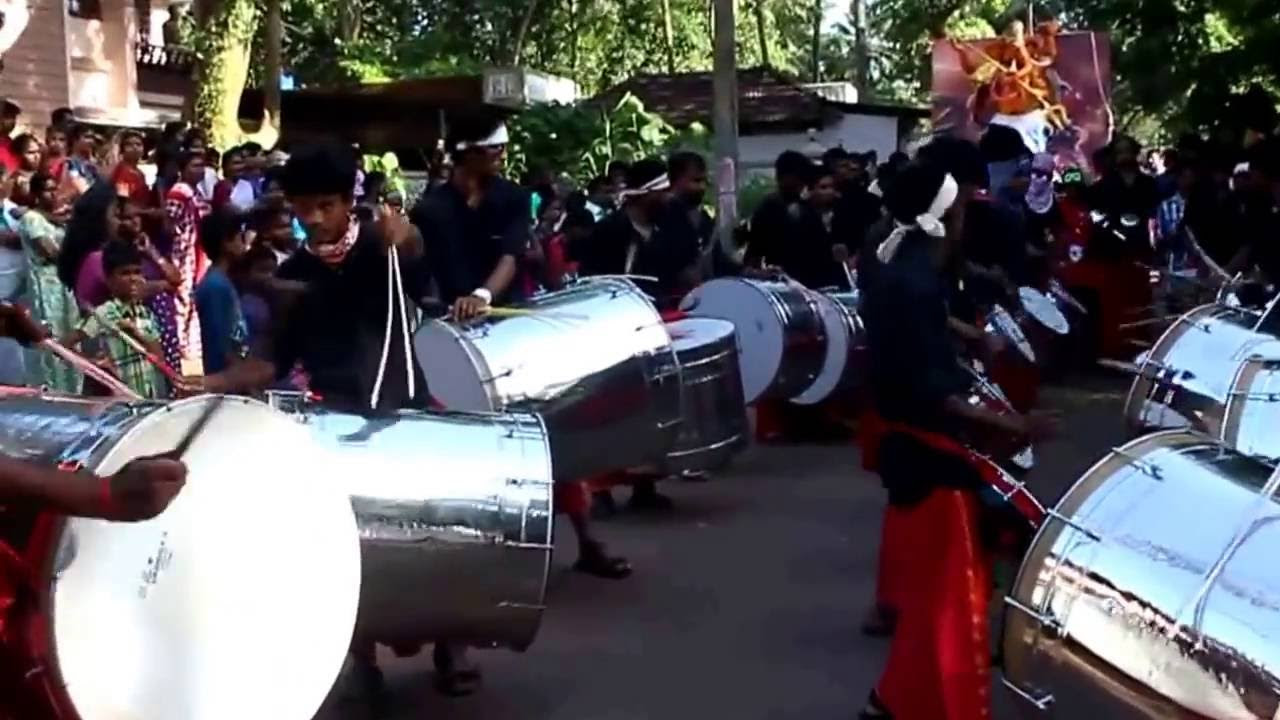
{"x": 856, "y": 133}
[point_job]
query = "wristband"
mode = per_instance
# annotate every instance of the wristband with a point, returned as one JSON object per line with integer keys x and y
{"x": 483, "y": 294}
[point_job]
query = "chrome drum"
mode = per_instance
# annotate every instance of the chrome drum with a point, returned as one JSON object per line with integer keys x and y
{"x": 714, "y": 426}
{"x": 1184, "y": 380}
{"x": 1252, "y": 415}
{"x": 251, "y": 572}
{"x": 846, "y": 341}
{"x": 780, "y": 331}
{"x": 454, "y": 511}
{"x": 594, "y": 360}
{"x": 1152, "y": 591}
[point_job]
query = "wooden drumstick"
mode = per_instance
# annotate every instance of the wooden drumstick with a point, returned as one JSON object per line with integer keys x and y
{"x": 131, "y": 341}
{"x": 87, "y": 368}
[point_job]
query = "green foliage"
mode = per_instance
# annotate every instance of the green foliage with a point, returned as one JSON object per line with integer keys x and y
{"x": 580, "y": 140}
{"x": 387, "y": 164}
{"x": 752, "y": 193}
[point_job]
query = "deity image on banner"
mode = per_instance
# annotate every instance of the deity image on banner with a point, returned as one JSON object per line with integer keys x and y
{"x": 1051, "y": 88}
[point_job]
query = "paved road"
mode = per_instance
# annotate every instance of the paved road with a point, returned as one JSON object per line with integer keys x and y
{"x": 745, "y": 604}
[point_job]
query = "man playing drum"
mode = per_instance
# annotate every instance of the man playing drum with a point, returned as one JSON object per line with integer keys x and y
{"x": 939, "y": 661}
{"x": 140, "y": 490}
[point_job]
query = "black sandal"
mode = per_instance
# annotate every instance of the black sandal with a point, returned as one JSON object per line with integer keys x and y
{"x": 451, "y": 680}
{"x": 592, "y": 560}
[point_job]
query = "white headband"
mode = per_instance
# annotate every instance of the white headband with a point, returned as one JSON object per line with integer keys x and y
{"x": 930, "y": 221}
{"x": 497, "y": 137}
{"x": 658, "y": 184}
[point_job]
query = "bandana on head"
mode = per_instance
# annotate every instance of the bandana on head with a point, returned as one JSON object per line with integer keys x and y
{"x": 930, "y": 221}
{"x": 662, "y": 182}
{"x": 334, "y": 253}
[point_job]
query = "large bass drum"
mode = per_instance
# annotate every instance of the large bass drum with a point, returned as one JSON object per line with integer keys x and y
{"x": 714, "y": 426}
{"x": 238, "y": 601}
{"x": 780, "y": 330}
{"x": 846, "y": 344}
{"x": 1252, "y": 417}
{"x": 1184, "y": 380}
{"x": 455, "y": 520}
{"x": 1151, "y": 591}
{"x": 594, "y": 360}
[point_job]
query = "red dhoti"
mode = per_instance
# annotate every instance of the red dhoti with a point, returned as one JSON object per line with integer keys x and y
{"x": 939, "y": 662}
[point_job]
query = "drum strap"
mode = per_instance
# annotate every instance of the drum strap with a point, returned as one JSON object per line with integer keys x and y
{"x": 395, "y": 297}
{"x": 987, "y": 471}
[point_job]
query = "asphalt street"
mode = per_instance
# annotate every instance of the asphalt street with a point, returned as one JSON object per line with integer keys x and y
{"x": 745, "y": 603}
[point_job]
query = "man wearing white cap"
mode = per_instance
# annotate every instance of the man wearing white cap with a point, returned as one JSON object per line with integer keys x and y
{"x": 475, "y": 225}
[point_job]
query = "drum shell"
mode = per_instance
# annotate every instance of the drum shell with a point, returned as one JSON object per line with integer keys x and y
{"x": 1186, "y": 379}
{"x": 715, "y": 425}
{"x": 1251, "y": 422}
{"x": 1151, "y": 592}
{"x": 65, "y": 557}
{"x": 594, "y": 360}
{"x": 455, "y": 518}
{"x": 792, "y": 307}
{"x": 839, "y": 374}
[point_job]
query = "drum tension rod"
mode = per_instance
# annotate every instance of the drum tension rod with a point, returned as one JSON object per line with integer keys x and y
{"x": 1143, "y": 466}
{"x": 1041, "y": 701}
{"x": 1262, "y": 396}
{"x": 1046, "y": 620}
{"x": 1075, "y": 525}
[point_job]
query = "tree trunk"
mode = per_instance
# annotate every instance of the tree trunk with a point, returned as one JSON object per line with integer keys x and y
{"x": 349, "y": 21}
{"x": 861, "y": 53}
{"x": 224, "y": 68}
{"x": 272, "y": 72}
{"x": 573, "y": 42}
{"x": 816, "y": 50}
{"x": 669, "y": 37}
{"x": 762, "y": 32}
{"x": 523, "y": 32}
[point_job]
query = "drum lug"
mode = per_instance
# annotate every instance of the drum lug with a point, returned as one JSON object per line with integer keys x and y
{"x": 1075, "y": 526}
{"x": 1143, "y": 466}
{"x": 1039, "y": 700}
{"x": 1047, "y": 622}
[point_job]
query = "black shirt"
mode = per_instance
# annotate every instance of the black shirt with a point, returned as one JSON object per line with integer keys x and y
{"x": 792, "y": 235}
{"x": 666, "y": 254}
{"x": 464, "y": 244}
{"x": 994, "y": 237}
{"x": 335, "y": 329}
{"x": 913, "y": 370}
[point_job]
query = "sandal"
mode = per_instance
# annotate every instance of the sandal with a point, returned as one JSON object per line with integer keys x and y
{"x": 592, "y": 560}
{"x": 452, "y": 680}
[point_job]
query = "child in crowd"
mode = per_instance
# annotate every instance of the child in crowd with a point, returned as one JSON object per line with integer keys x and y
{"x": 125, "y": 314}
{"x": 257, "y": 269}
{"x": 273, "y": 225}
{"x": 225, "y": 237}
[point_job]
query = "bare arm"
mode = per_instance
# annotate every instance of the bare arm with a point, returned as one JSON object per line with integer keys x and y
{"x": 503, "y": 273}
{"x": 249, "y": 375}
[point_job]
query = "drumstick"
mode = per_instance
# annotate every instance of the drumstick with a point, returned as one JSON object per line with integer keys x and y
{"x": 88, "y": 369}
{"x": 1122, "y": 366}
{"x": 141, "y": 349}
{"x": 1148, "y": 321}
{"x": 215, "y": 403}
{"x": 526, "y": 312}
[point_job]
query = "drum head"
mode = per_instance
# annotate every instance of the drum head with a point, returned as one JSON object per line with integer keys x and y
{"x": 1000, "y": 321}
{"x": 239, "y": 601}
{"x": 840, "y": 322}
{"x": 1044, "y": 310}
{"x": 760, "y": 332}
{"x": 693, "y": 332}
{"x": 456, "y": 374}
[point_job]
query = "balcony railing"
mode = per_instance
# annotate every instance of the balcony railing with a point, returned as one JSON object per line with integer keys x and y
{"x": 170, "y": 58}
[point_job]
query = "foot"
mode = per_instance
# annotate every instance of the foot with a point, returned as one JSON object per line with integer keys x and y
{"x": 874, "y": 709}
{"x": 455, "y": 675}
{"x": 593, "y": 560}
{"x": 603, "y": 504}
{"x": 646, "y": 498}
{"x": 880, "y": 622}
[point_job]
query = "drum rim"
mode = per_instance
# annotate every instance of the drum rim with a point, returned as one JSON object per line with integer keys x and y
{"x": 98, "y": 455}
{"x": 1056, "y": 522}
{"x": 758, "y": 287}
{"x": 1049, "y": 305}
{"x": 1141, "y": 387}
{"x": 1237, "y": 397}
{"x": 850, "y": 323}
{"x": 484, "y": 374}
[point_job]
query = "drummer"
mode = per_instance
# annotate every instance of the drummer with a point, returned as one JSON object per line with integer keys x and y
{"x": 140, "y": 490}
{"x": 632, "y": 241}
{"x": 476, "y": 225}
{"x": 332, "y": 320}
{"x": 939, "y": 660}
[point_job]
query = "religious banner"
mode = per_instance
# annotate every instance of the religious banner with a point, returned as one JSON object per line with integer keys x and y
{"x": 1051, "y": 88}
